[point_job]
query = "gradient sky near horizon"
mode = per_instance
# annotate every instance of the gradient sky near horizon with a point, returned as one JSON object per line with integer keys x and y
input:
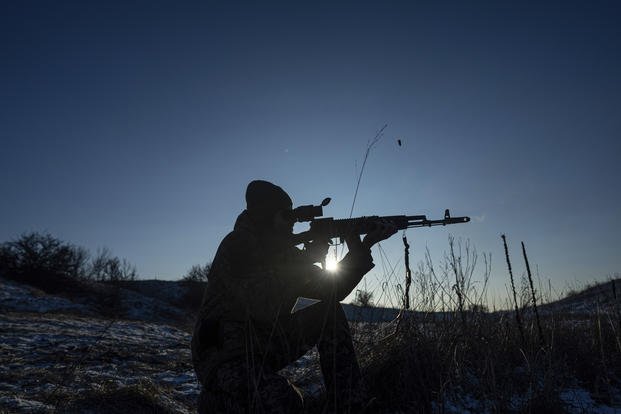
{"x": 137, "y": 125}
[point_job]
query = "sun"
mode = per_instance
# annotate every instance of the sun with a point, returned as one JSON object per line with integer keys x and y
{"x": 332, "y": 264}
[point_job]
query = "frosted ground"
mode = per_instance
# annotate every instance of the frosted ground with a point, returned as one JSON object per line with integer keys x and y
{"x": 55, "y": 353}
{"x": 50, "y": 354}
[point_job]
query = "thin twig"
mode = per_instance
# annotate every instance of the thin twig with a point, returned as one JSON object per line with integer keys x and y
{"x": 517, "y": 310}
{"x": 532, "y": 290}
{"x": 374, "y": 141}
{"x": 408, "y": 272}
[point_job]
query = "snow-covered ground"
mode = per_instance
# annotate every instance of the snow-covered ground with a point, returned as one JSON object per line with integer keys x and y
{"x": 22, "y": 298}
{"x": 48, "y": 356}
{"x": 53, "y": 351}
{"x": 578, "y": 400}
{"x": 131, "y": 305}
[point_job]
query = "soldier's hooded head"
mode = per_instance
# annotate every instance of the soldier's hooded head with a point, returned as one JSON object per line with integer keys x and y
{"x": 264, "y": 200}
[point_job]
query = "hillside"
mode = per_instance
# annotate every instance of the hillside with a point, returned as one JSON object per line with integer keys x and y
{"x": 68, "y": 353}
{"x": 603, "y": 295}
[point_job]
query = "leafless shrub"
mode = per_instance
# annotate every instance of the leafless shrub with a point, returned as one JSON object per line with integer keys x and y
{"x": 42, "y": 260}
{"x": 107, "y": 268}
{"x": 363, "y": 298}
{"x": 197, "y": 273}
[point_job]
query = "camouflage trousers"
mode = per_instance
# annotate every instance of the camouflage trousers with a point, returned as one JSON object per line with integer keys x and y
{"x": 250, "y": 383}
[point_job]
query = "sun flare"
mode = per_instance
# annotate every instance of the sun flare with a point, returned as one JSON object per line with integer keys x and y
{"x": 332, "y": 264}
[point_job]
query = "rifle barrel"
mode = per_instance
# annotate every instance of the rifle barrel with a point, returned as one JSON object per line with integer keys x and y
{"x": 428, "y": 223}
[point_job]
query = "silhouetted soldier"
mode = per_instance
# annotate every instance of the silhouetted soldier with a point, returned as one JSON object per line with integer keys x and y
{"x": 246, "y": 332}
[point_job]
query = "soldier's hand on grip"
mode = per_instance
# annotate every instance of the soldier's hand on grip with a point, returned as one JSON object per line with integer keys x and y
{"x": 317, "y": 250}
{"x": 384, "y": 230}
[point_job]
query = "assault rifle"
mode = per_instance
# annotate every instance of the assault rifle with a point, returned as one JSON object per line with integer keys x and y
{"x": 325, "y": 229}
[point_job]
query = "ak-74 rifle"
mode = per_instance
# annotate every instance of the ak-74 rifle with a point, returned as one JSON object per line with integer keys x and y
{"x": 327, "y": 228}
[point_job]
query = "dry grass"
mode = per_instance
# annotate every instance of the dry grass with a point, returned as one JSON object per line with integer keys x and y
{"x": 142, "y": 398}
{"x": 463, "y": 356}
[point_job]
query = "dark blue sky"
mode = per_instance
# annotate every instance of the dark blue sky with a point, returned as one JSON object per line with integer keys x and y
{"x": 137, "y": 125}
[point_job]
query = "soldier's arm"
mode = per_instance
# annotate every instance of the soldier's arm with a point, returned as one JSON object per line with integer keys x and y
{"x": 351, "y": 269}
{"x": 313, "y": 282}
{"x": 355, "y": 264}
{"x": 359, "y": 261}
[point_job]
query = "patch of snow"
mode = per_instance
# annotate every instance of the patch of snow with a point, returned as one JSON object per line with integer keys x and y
{"x": 145, "y": 308}
{"x": 15, "y": 297}
{"x": 24, "y": 405}
{"x": 578, "y": 400}
{"x": 306, "y": 374}
{"x": 462, "y": 403}
{"x": 175, "y": 378}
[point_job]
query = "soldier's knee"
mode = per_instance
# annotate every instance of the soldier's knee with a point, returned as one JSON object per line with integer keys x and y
{"x": 279, "y": 396}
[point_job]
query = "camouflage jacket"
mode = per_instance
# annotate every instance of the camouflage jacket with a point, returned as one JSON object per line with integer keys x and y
{"x": 255, "y": 278}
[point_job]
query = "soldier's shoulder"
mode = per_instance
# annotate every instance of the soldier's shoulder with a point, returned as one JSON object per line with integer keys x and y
{"x": 238, "y": 240}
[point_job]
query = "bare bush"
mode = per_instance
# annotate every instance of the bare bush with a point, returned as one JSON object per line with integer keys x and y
{"x": 363, "y": 298}
{"x": 42, "y": 260}
{"x": 197, "y": 273}
{"x": 108, "y": 268}
{"x": 194, "y": 281}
